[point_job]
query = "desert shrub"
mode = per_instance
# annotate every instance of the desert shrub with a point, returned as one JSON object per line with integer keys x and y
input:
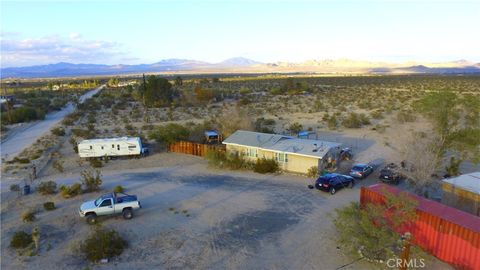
{"x": 28, "y": 215}
{"x": 49, "y": 187}
{"x": 232, "y": 161}
{"x": 405, "y": 116}
{"x": 354, "y": 120}
{"x": 313, "y": 172}
{"x": 169, "y": 133}
{"x": 216, "y": 158}
{"x": 332, "y": 122}
{"x": 58, "y": 165}
{"x": 95, "y": 162}
{"x": 14, "y": 187}
{"x": 102, "y": 244}
{"x": 83, "y": 133}
{"x": 58, "y": 131}
{"x": 264, "y": 125}
{"x": 21, "y": 239}
{"x": 264, "y": 165}
{"x": 49, "y": 206}
{"x": 71, "y": 191}
{"x": 118, "y": 189}
{"x": 21, "y": 160}
{"x": 91, "y": 181}
{"x": 378, "y": 114}
{"x": 295, "y": 128}
{"x": 22, "y": 114}
{"x": 234, "y": 119}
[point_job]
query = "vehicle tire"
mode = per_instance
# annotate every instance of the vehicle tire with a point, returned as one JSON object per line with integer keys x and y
{"x": 127, "y": 213}
{"x": 91, "y": 219}
{"x": 351, "y": 184}
{"x": 333, "y": 190}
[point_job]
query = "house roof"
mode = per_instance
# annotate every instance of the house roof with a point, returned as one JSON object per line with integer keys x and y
{"x": 281, "y": 143}
{"x": 107, "y": 140}
{"x": 469, "y": 181}
{"x": 254, "y": 139}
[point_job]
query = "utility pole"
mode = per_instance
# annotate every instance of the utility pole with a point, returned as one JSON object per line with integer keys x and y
{"x": 405, "y": 255}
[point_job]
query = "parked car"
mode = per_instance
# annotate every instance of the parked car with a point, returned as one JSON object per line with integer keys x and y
{"x": 361, "y": 171}
{"x": 332, "y": 182}
{"x": 109, "y": 204}
{"x": 391, "y": 175}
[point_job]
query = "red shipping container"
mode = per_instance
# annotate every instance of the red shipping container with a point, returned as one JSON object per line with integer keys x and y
{"x": 447, "y": 233}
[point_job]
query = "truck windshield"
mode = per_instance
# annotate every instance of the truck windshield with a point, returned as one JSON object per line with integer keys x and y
{"x": 98, "y": 201}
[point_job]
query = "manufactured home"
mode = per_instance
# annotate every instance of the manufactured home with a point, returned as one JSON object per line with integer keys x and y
{"x": 292, "y": 154}
{"x": 111, "y": 147}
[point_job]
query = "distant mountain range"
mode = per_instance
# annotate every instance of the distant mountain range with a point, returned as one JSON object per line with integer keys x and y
{"x": 241, "y": 65}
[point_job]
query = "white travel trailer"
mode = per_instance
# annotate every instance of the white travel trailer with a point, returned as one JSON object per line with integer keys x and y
{"x": 111, "y": 147}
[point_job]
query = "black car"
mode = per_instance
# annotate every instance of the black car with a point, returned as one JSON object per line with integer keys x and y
{"x": 391, "y": 175}
{"x": 332, "y": 182}
{"x": 361, "y": 171}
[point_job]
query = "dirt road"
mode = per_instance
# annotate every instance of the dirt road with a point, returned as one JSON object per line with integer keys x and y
{"x": 24, "y": 137}
{"x": 194, "y": 218}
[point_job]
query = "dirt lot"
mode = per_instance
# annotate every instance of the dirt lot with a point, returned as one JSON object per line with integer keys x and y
{"x": 193, "y": 217}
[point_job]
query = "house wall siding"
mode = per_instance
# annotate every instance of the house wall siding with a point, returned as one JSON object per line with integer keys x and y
{"x": 296, "y": 163}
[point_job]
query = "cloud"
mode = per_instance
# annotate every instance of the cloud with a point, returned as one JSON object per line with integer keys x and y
{"x": 54, "y": 49}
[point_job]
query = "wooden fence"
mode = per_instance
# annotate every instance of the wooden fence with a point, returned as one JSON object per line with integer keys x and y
{"x": 191, "y": 148}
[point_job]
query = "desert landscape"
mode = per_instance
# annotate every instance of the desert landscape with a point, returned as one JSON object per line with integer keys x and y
{"x": 197, "y": 216}
{"x": 322, "y": 135}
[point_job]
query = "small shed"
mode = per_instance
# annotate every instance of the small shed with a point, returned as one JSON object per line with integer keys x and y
{"x": 212, "y": 137}
{"x": 463, "y": 192}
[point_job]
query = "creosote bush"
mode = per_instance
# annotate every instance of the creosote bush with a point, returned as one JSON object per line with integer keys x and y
{"x": 95, "y": 162}
{"x": 118, "y": 189}
{"x": 71, "y": 191}
{"x": 313, "y": 172}
{"x": 91, "y": 180}
{"x": 58, "y": 131}
{"x": 46, "y": 188}
{"x": 221, "y": 159}
{"x": 264, "y": 165}
{"x": 28, "y": 215}
{"x": 49, "y": 206}
{"x": 21, "y": 239}
{"x": 14, "y": 187}
{"x": 102, "y": 244}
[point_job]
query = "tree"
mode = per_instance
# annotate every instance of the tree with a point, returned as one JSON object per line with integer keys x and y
{"x": 234, "y": 119}
{"x": 178, "y": 81}
{"x": 371, "y": 229}
{"x": 455, "y": 120}
{"x": 156, "y": 91}
{"x": 169, "y": 133}
{"x": 423, "y": 153}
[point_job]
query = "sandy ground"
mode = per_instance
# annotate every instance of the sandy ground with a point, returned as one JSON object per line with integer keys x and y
{"x": 26, "y": 135}
{"x": 236, "y": 220}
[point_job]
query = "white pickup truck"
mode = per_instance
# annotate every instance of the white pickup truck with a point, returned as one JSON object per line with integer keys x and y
{"x": 109, "y": 204}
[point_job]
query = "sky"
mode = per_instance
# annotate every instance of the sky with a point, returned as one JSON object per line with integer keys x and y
{"x": 133, "y": 32}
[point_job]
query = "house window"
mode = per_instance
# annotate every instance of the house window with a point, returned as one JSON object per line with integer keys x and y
{"x": 281, "y": 157}
{"x": 252, "y": 152}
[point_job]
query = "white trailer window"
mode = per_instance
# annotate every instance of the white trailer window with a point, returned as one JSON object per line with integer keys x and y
{"x": 113, "y": 145}
{"x": 118, "y": 147}
{"x": 91, "y": 147}
{"x": 132, "y": 146}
